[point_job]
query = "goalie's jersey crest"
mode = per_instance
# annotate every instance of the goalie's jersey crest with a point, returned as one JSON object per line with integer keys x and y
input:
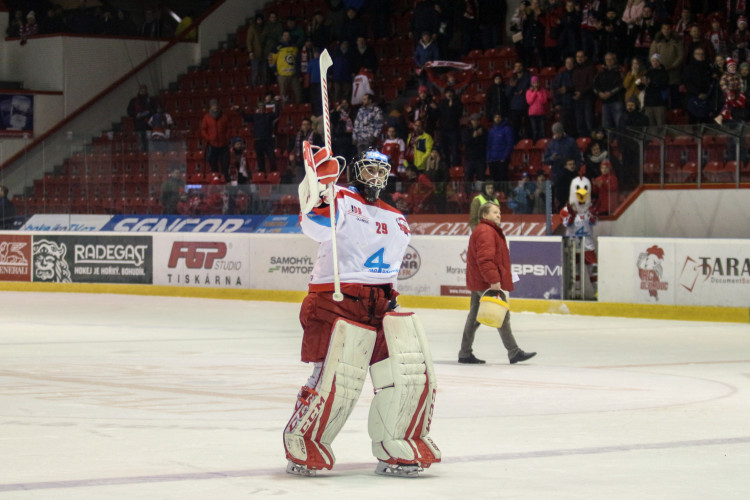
{"x": 371, "y": 240}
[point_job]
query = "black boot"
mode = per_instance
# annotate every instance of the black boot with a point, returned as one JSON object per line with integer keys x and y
{"x": 521, "y": 356}
{"x": 471, "y": 359}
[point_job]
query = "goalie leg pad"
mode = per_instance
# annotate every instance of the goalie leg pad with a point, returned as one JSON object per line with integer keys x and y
{"x": 322, "y": 410}
{"x": 405, "y": 387}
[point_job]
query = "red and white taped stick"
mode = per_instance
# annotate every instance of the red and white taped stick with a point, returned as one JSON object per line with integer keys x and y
{"x": 325, "y": 63}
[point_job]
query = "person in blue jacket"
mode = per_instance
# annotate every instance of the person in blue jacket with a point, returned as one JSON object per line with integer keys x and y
{"x": 561, "y": 148}
{"x": 500, "y": 144}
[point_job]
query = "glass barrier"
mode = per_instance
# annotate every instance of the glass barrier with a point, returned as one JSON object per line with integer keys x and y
{"x": 701, "y": 154}
{"x": 125, "y": 173}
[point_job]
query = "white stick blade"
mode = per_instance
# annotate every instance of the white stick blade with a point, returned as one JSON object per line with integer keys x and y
{"x": 325, "y": 62}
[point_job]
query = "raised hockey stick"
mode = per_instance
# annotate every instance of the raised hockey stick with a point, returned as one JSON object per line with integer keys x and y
{"x": 325, "y": 63}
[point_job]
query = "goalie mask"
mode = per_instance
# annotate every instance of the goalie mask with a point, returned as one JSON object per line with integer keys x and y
{"x": 371, "y": 171}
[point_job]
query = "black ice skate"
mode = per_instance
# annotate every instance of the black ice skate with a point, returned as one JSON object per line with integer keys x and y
{"x": 299, "y": 469}
{"x": 398, "y": 470}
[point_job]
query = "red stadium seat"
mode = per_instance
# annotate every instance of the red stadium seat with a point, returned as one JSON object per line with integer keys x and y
{"x": 456, "y": 173}
{"x": 688, "y": 173}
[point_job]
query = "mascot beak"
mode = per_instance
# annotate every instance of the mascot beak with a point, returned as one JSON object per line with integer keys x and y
{"x": 582, "y": 195}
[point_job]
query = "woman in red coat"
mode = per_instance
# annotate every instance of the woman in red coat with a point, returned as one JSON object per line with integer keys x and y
{"x": 488, "y": 266}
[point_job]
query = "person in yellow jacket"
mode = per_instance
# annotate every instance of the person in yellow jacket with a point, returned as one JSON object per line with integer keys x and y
{"x": 418, "y": 146}
{"x": 487, "y": 195}
{"x": 285, "y": 61}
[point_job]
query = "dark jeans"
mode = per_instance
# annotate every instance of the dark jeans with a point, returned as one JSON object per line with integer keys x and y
{"x": 471, "y": 326}
{"x": 537, "y": 127}
{"x": 584, "y": 107}
{"x": 263, "y": 149}
{"x": 218, "y": 160}
{"x": 518, "y": 122}
{"x": 450, "y": 141}
{"x": 475, "y": 170}
{"x": 499, "y": 170}
{"x": 611, "y": 113}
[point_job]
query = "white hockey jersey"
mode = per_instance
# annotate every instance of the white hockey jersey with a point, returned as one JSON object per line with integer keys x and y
{"x": 361, "y": 86}
{"x": 371, "y": 241}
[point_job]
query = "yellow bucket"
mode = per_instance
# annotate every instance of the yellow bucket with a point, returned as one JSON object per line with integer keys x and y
{"x": 492, "y": 311}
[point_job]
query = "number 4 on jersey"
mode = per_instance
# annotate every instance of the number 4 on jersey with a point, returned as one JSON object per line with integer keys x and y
{"x": 376, "y": 261}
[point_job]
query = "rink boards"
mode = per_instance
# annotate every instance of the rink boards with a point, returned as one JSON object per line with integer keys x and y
{"x": 638, "y": 271}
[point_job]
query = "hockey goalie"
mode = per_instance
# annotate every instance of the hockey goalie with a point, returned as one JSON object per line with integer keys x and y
{"x": 343, "y": 338}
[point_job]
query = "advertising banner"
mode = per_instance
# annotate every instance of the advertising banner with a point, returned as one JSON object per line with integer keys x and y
{"x": 15, "y": 257}
{"x": 282, "y": 262}
{"x": 202, "y": 260}
{"x": 280, "y": 224}
{"x": 719, "y": 273}
{"x": 92, "y": 259}
{"x": 538, "y": 263}
{"x": 458, "y": 224}
{"x": 16, "y": 115}
{"x": 675, "y": 271}
{"x": 435, "y": 265}
{"x": 183, "y": 223}
{"x": 63, "y": 222}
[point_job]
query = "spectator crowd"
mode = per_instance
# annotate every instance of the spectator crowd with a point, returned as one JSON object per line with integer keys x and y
{"x": 563, "y": 74}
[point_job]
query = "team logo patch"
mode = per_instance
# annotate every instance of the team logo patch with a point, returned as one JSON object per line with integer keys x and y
{"x": 403, "y": 226}
{"x": 357, "y": 213}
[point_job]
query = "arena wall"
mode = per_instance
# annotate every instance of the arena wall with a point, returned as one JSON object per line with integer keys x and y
{"x": 638, "y": 277}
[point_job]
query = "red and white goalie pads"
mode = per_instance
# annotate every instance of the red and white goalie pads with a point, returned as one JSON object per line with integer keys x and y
{"x": 321, "y": 411}
{"x": 405, "y": 387}
{"x": 321, "y": 169}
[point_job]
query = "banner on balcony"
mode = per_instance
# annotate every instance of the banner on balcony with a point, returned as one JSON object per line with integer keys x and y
{"x": 16, "y": 115}
{"x": 458, "y": 224}
{"x": 64, "y": 222}
{"x": 280, "y": 224}
{"x": 183, "y": 223}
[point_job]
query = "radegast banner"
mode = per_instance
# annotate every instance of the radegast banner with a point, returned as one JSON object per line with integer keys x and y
{"x": 92, "y": 259}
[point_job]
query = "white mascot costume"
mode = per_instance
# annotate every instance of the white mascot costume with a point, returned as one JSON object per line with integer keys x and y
{"x": 579, "y": 220}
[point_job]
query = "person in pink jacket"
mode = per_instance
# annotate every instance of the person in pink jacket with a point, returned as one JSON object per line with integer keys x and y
{"x": 536, "y": 97}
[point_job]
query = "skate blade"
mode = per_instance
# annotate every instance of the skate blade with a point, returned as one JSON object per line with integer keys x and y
{"x": 299, "y": 470}
{"x": 398, "y": 470}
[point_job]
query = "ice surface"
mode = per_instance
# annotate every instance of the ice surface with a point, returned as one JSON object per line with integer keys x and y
{"x": 124, "y": 397}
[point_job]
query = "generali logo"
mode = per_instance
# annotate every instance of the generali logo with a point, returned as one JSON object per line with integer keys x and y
{"x": 15, "y": 255}
{"x": 651, "y": 270}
